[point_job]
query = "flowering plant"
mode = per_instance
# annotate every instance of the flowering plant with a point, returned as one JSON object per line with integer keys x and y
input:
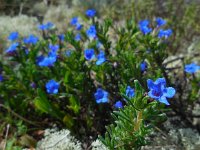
{"x": 79, "y": 77}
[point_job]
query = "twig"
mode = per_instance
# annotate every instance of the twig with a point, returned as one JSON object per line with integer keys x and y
{"x": 18, "y": 116}
{"x": 21, "y": 8}
{"x": 175, "y": 59}
{"x": 158, "y": 129}
{"x": 169, "y": 69}
{"x": 7, "y": 130}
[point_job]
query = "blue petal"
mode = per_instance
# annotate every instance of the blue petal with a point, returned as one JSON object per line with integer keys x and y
{"x": 160, "y": 22}
{"x": 100, "y": 58}
{"x": 160, "y": 80}
{"x": 104, "y": 100}
{"x": 118, "y": 104}
{"x": 105, "y": 94}
{"x": 98, "y": 101}
{"x": 150, "y": 84}
{"x": 55, "y": 91}
{"x": 130, "y": 92}
{"x": 163, "y": 99}
{"x": 169, "y": 92}
{"x": 89, "y": 54}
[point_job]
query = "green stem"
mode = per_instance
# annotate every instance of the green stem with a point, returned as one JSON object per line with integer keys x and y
{"x": 138, "y": 121}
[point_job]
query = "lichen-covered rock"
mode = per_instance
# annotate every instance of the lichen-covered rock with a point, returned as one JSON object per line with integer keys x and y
{"x": 98, "y": 145}
{"x": 177, "y": 138}
{"x": 188, "y": 138}
{"x": 58, "y": 140}
{"x": 23, "y": 24}
{"x": 60, "y": 16}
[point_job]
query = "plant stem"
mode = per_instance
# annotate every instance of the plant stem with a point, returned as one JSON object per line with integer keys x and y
{"x": 7, "y": 130}
{"x": 138, "y": 121}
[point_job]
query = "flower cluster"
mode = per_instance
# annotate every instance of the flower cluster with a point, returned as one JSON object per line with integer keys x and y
{"x": 74, "y": 22}
{"x": 49, "y": 60}
{"x": 31, "y": 39}
{"x": 90, "y": 54}
{"x": 145, "y": 29}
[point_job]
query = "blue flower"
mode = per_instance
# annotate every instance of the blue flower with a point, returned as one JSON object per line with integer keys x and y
{"x": 31, "y": 39}
{"x": 68, "y": 53}
{"x": 50, "y": 59}
{"x": 101, "y": 96}
{"x": 52, "y": 87}
{"x": 143, "y": 66}
{"x": 53, "y": 48}
{"x": 13, "y": 36}
{"x": 47, "y": 26}
{"x": 99, "y": 44}
{"x": 39, "y": 59}
{"x": 12, "y": 48}
{"x": 100, "y": 58}
{"x": 1, "y": 78}
{"x": 118, "y": 104}
{"x": 89, "y": 54}
{"x": 47, "y": 61}
{"x": 61, "y": 37}
{"x": 26, "y": 51}
{"x": 143, "y": 25}
{"x": 91, "y": 32}
{"x": 192, "y": 68}
{"x": 33, "y": 85}
{"x": 159, "y": 91}
{"x": 90, "y": 13}
{"x": 164, "y": 33}
{"x": 74, "y": 21}
{"x": 78, "y": 37}
{"x": 79, "y": 26}
{"x": 160, "y": 22}
{"x": 130, "y": 92}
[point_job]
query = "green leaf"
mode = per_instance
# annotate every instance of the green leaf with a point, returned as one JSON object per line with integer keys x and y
{"x": 74, "y": 104}
{"x": 67, "y": 77}
{"x": 68, "y": 121}
{"x": 138, "y": 89}
{"x": 42, "y": 104}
